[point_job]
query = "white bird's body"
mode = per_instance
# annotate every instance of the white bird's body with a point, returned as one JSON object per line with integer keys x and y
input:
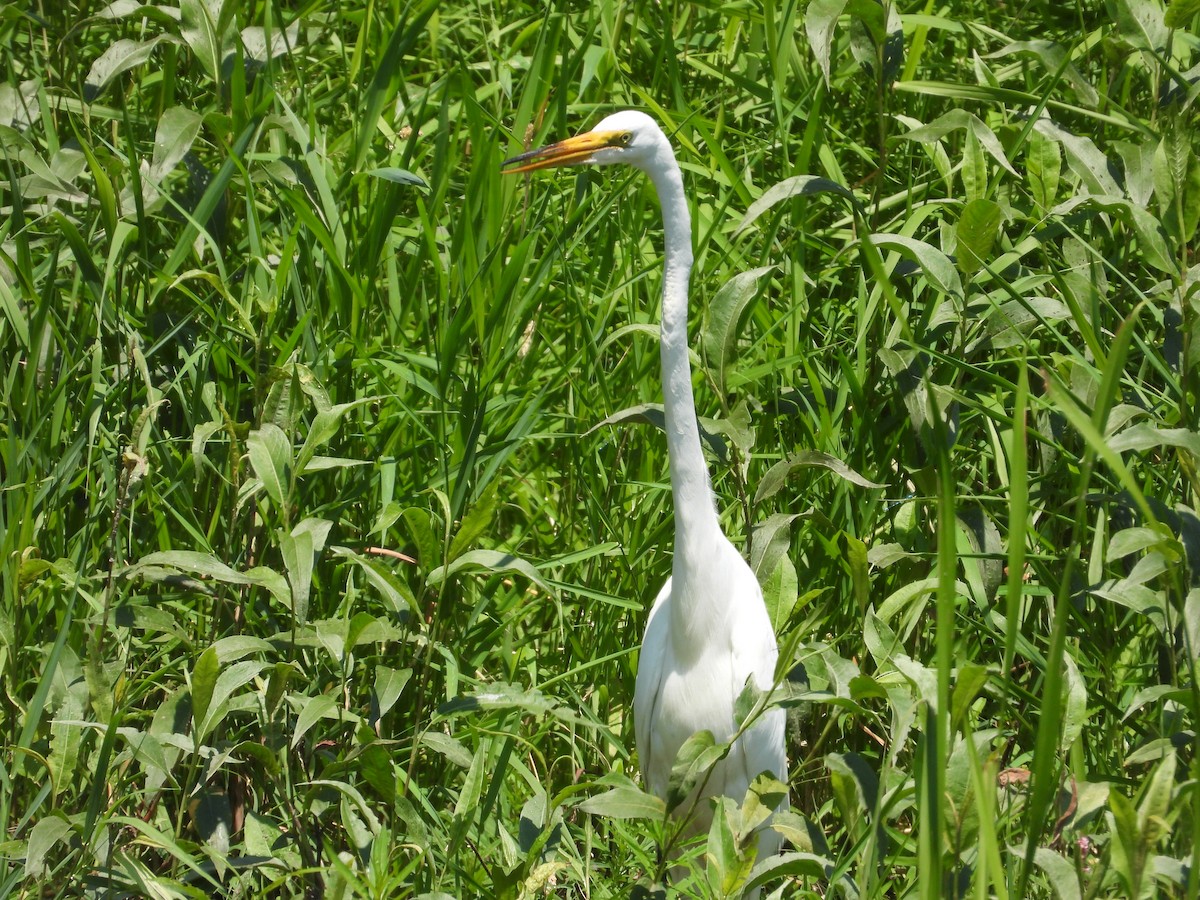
{"x": 708, "y": 631}
{"x": 678, "y": 695}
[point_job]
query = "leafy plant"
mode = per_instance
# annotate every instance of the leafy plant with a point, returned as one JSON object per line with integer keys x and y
{"x": 327, "y": 526}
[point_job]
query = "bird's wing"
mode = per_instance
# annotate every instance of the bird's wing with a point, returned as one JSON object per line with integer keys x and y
{"x": 754, "y": 655}
{"x": 647, "y": 693}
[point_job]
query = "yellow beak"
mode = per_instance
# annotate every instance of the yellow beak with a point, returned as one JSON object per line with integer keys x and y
{"x": 571, "y": 152}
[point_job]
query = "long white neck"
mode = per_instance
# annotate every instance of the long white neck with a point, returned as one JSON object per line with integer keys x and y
{"x": 696, "y": 523}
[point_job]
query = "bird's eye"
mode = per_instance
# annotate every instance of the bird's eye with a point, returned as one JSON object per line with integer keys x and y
{"x": 625, "y": 138}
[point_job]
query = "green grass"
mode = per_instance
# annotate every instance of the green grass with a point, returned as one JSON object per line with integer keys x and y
{"x": 319, "y": 575}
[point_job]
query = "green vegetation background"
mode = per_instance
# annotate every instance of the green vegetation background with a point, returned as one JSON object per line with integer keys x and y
{"x": 328, "y": 526}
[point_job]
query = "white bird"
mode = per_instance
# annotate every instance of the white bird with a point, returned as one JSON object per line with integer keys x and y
{"x": 708, "y": 631}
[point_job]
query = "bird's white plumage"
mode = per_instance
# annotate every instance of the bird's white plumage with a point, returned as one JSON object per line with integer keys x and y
{"x": 677, "y": 697}
{"x": 708, "y": 631}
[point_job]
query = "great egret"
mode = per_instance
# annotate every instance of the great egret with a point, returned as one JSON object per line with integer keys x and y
{"x": 708, "y": 630}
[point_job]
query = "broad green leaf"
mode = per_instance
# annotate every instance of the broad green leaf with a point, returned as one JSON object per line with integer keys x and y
{"x": 325, "y": 426}
{"x": 1133, "y": 540}
{"x": 1075, "y": 712}
{"x": 1054, "y": 58}
{"x": 1123, "y": 827}
{"x": 452, "y": 749}
{"x": 211, "y": 816}
{"x": 419, "y": 523}
{"x": 905, "y": 595}
{"x": 1083, "y": 157}
{"x": 969, "y": 681}
{"x": 1153, "y": 694}
{"x": 492, "y": 562}
{"x": 763, "y": 797}
{"x": 391, "y": 587}
{"x": 177, "y": 130}
{"x": 312, "y": 710}
{"x": 208, "y": 566}
{"x": 1155, "y": 806}
{"x": 281, "y": 41}
{"x": 854, "y": 560}
{"x": 781, "y": 590}
{"x": 719, "y": 334}
{"x": 820, "y": 21}
{"x": 502, "y": 695}
{"x": 933, "y": 262}
{"x": 954, "y": 120}
{"x": 204, "y": 679}
{"x": 624, "y": 803}
{"x": 795, "y": 864}
{"x": 974, "y": 170}
{"x": 199, "y": 25}
{"x": 398, "y": 176}
{"x": 855, "y": 781}
{"x": 389, "y": 683}
{"x": 652, "y": 414}
{"x": 1043, "y": 169}
{"x": 14, "y": 314}
{"x": 1181, "y": 12}
{"x": 476, "y": 521}
{"x": 1141, "y": 22}
{"x": 776, "y": 476}
{"x": 270, "y": 454}
{"x": 231, "y": 679}
{"x": 796, "y": 186}
{"x": 121, "y": 56}
{"x": 231, "y": 649}
{"x": 261, "y": 834}
{"x": 975, "y": 232}
{"x": 923, "y": 678}
{"x": 1059, "y": 871}
{"x": 150, "y": 836}
{"x": 772, "y": 538}
{"x": 299, "y": 548}
{"x": 472, "y": 789}
{"x": 48, "y": 831}
{"x": 1191, "y": 623}
{"x": 726, "y": 867}
{"x": 1144, "y": 436}
{"x": 692, "y": 765}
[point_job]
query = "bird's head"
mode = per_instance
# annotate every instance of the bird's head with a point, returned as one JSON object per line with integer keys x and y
{"x": 628, "y": 136}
